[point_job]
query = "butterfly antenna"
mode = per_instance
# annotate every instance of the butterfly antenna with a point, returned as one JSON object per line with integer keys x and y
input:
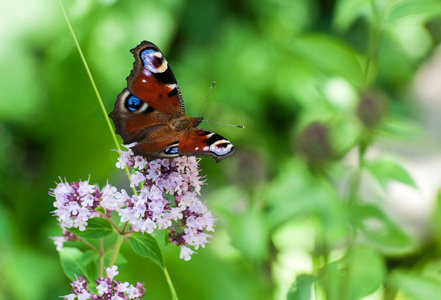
{"x": 211, "y": 87}
{"x": 238, "y": 126}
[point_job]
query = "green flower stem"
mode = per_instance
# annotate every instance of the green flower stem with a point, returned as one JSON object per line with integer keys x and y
{"x": 170, "y": 284}
{"x": 101, "y": 258}
{"x": 125, "y": 226}
{"x": 320, "y": 257}
{"x": 108, "y": 250}
{"x": 88, "y": 244}
{"x": 355, "y": 180}
{"x": 111, "y": 222}
{"x": 363, "y": 144}
{"x": 375, "y": 36}
{"x": 118, "y": 244}
{"x": 352, "y": 199}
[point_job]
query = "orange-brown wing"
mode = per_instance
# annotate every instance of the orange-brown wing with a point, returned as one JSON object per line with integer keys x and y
{"x": 152, "y": 81}
{"x": 136, "y": 121}
{"x": 201, "y": 142}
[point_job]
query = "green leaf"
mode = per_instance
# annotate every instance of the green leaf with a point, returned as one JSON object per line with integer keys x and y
{"x": 146, "y": 245}
{"x": 386, "y": 170}
{"x": 76, "y": 263}
{"x": 432, "y": 268}
{"x": 365, "y": 273}
{"x": 394, "y": 127}
{"x": 69, "y": 258}
{"x": 331, "y": 280}
{"x": 358, "y": 274}
{"x": 295, "y": 195}
{"x": 88, "y": 265}
{"x": 379, "y": 230}
{"x": 421, "y": 10}
{"x": 97, "y": 228}
{"x": 250, "y": 235}
{"x": 302, "y": 288}
{"x": 416, "y": 287}
{"x": 347, "y": 11}
{"x": 330, "y": 55}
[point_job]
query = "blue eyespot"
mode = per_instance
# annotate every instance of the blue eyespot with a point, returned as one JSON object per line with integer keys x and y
{"x": 171, "y": 150}
{"x": 153, "y": 61}
{"x": 147, "y": 56}
{"x": 133, "y": 103}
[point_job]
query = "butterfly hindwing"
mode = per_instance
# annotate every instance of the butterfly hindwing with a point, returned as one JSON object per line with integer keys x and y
{"x": 199, "y": 141}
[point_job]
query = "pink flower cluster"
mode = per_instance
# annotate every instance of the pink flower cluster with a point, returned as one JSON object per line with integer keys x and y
{"x": 107, "y": 288}
{"x": 76, "y": 202}
{"x": 166, "y": 198}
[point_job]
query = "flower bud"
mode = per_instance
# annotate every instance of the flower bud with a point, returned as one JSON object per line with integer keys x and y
{"x": 314, "y": 144}
{"x": 370, "y": 110}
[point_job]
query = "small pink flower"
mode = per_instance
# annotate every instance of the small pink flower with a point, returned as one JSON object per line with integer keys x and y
{"x": 70, "y": 297}
{"x": 134, "y": 292}
{"x": 140, "y": 162}
{"x": 58, "y": 241}
{"x": 112, "y": 272}
{"x": 102, "y": 288}
{"x": 136, "y": 179}
{"x": 111, "y": 199}
{"x": 122, "y": 287}
{"x": 107, "y": 288}
{"x": 186, "y": 253}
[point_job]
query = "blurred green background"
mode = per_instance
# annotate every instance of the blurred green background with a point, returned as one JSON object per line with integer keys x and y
{"x": 333, "y": 190}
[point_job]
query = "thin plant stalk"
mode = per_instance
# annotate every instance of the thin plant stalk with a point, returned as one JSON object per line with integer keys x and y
{"x": 375, "y": 36}
{"x": 363, "y": 144}
{"x": 88, "y": 244}
{"x": 118, "y": 244}
{"x": 170, "y": 284}
{"x": 101, "y": 257}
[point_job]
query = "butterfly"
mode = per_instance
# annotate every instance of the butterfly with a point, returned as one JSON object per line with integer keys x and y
{"x": 150, "y": 113}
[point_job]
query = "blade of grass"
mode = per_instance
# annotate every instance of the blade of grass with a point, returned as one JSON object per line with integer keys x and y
{"x": 86, "y": 66}
{"x": 100, "y": 101}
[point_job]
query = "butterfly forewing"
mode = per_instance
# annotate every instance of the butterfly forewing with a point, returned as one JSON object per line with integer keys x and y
{"x": 153, "y": 81}
{"x": 134, "y": 119}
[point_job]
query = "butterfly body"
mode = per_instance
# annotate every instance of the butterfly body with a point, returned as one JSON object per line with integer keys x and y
{"x": 151, "y": 112}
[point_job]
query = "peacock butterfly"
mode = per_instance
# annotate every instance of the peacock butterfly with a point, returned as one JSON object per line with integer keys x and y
{"x": 150, "y": 113}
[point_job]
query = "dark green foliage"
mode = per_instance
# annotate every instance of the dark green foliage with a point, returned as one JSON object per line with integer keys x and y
{"x": 316, "y": 84}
